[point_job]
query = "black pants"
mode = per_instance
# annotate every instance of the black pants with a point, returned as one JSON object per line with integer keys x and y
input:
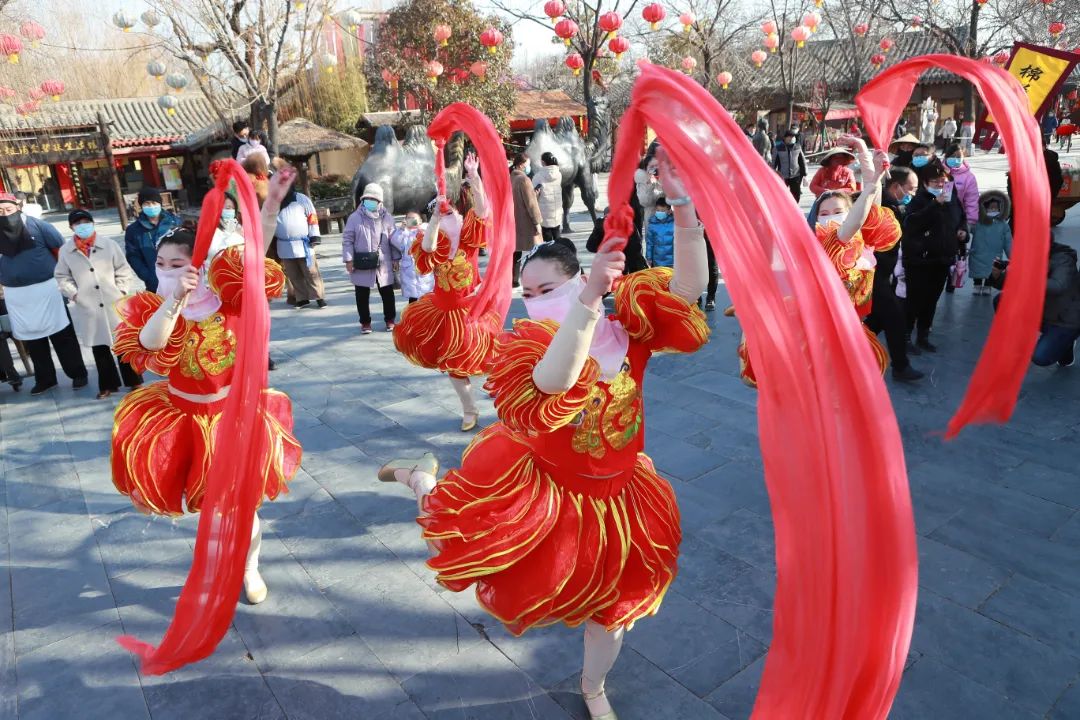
{"x": 550, "y": 234}
{"x": 108, "y": 377}
{"x": 714, "y": 275}
{"x": 8, "y": 372}
{"x": 66, "y": 346}
{"x": 888, "y": 314}
{"x": 925, "y": 284}
{"x": 795, "y": 186}
{"x": 363, "y": 296}
{"x": 516, "y": 273}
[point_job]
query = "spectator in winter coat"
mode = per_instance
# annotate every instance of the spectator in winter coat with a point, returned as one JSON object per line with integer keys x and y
{"x": 635, "y": 256}
{"x": 548, "y": 184}
{"x": 965, "y": 186}
{"x": 647, "y": 187}
{"x": 903, "y": 149}
{"x": 1061, "y": 312}
{"x": 991, "y": 239}
{"x": 834, "y": 173}
{"x": 1049, "y": 127}
{"x": 367, "y": 231}
{"x": 790, "y": 162}
{"x": 297, "y": 227}
{"x": 241, "y": 132}
{"x": 413, "y": 284}
{"x": 660, "y": 237}
{"x": 526, "y": 212}
{"x": 142, "y": 236}
{"x": 256, "y": 145}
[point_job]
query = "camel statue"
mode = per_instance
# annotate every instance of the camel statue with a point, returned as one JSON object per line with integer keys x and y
{"x": 406, "y": 170}
{"x": 569, "y": 149}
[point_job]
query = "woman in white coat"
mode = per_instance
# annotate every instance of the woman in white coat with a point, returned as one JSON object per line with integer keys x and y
{"x": 413, "y": 285}
{"x": 548, "y": 184}
{"x": 93, "y": 274}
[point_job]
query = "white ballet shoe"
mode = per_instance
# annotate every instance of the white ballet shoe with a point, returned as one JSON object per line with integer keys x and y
{"x": 469, "y": 421}
{"x": 254, "y": 587}
{"x": 427, "y": 463}
{"x": 597, "y": 696}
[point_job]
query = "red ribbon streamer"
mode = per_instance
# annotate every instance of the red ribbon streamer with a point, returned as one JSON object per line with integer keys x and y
{"x": 494, "y": 292}
{"x": 234, "y": 484}
{"x": 846, "y": 557}
{"x": 995, "y": 384}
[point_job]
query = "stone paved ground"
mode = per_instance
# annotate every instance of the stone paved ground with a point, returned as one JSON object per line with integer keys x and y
{"x": 354, "y": 626}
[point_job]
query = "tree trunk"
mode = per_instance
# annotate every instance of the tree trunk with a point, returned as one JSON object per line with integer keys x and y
{"x": 586, "y": 92}
{"x": 272, "y": 128}
{"x": 971, "y": 47}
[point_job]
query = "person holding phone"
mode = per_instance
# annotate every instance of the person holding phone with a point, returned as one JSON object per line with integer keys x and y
{"x": 934, "y": 234}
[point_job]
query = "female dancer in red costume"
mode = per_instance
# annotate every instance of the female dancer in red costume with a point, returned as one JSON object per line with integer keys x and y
{"x": 851, "y": 231}
{"x": 556, "y": 514}
{"x": 437, "y": 331}
{"x": 165, "y": 433}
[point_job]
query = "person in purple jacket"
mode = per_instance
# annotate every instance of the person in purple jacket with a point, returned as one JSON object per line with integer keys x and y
{"x": 965, "y": 185}
{"x": 368, "y": 256}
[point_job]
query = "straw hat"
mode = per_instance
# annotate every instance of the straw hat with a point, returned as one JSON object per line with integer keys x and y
{"x": 836, "y": 151}
{"x": 906, "y": 139}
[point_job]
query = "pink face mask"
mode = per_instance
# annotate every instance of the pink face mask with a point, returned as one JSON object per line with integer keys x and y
{"x": 201, "y": 302}
{"x": 451, "y": 223}
{"x": 555, "y": 304}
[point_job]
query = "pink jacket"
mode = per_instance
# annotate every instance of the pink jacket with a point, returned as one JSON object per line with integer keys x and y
{"x": 967, "y": 189}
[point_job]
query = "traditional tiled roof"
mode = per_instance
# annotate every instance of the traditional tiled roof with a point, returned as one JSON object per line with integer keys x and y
{"x": 535, "y": 104}
{"x": 829, "y": 61}
{"x": 134, "y": 121}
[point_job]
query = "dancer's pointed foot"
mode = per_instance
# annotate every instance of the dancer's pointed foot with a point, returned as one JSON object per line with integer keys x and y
{"x": 729, "y": 311}
{"x": 469, "y": 421}
{"x": 254, "y": 587}
{"x": 597, "y": 702}
{"x": 426, "y": 463}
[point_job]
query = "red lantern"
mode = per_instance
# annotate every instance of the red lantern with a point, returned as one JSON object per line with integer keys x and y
{"x": 724, "y": 79}
{"x": 390, "y": 79}
{"x": 768, "y": 27}
{"x": 759, "y": 57}
{"x": 1047, "y": 2}
{"x": 688, "y": 64}
{"x": 442, "y": 34}
{"x": 554, "y": 9}
{"x": 27, "y": 108}
{"x": 618, "y": 45}
{"x": 982, "y": 2}
{"x": 687, "y": 19}
{"x": 433, "y": 69}
{"x": 877, "y": 60}
{"x": 36, "y": 94}
{"x": 1056, "y": 28}
{"x": 610, "y": 23}
{"x": 33, "y": 32}
{"x": 575, "y": 62}
{"x": 811, "y": 20}
{"x": 6, "y": 93}
{"x": 886, "y": 44}
{"x": 1071, "y": 96}
{"x": 861, "y": 29}
{"x": 917, "y": 22}
{"x": 772, "y": 42}
{"x": 1001, "y": 58}
{"x": 491, "y": 39}
{"x": 479, "y": 69}
{"x": 800, "y": 35}
{"x": 654, "y": 14}
{"x": 53, "y": 88}
{"x": 11, "y": 46}
{"x": 819, "y": 3}
{"x": 566, "y": 29}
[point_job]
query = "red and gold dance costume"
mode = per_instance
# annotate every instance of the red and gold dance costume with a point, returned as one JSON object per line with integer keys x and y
{"x": 879, "y": 233}
{"x": 162, "y": 443}
{"x": 436, "y": 331}
{"x": 556, "y": 514}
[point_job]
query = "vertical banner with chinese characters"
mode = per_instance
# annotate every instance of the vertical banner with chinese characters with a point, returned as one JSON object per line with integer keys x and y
{"x": 1041, "y": 71}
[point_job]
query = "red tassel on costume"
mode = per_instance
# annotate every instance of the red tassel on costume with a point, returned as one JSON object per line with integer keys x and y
{"x": 234, "y": 483}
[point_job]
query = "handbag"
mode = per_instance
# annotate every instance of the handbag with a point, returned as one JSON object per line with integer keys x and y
{"x": 959, "y": 272}
{"x": 365, "y": 260}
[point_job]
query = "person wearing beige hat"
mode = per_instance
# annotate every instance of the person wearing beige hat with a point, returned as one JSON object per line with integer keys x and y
{"x": 903, "y": 148}
{"x": 834, "y": 173}
{"x": 369, "y": 256}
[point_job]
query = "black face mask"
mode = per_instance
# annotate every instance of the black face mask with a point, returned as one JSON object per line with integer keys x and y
{"x": 13, "y": 236}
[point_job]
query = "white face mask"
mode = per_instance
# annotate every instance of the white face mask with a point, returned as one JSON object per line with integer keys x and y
{"x": 556, "y": 304}
{"x": 992, "y": 213}
{"x": 830, "y": 219}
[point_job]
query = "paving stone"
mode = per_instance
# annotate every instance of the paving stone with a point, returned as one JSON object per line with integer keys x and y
{"x": 32, "y": 486}
{"x": 549, "y": 655}
{"x": 131, "y": 542}
{"x": 735, "y": 698}
{"x": 932, "y": 690}
{"x": 1027, "y": 672}
{"x": 1068, "y": 705}
{"x": 957, "y": 575}
{"x": 745, "y": 601}
{"x": 745, "y": 535}
{"x": 1039, "y": 610}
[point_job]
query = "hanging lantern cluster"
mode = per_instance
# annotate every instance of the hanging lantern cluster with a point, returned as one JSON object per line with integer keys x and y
{"x": 433, "y": 69}
{"x": 168, "y": 103}
{"x": 687, "y": 20}
{"x": 1056, "y": 28}
{"x": 886, "y": 44}
{"x": 491, "y": 39}
{"x": 724, "y": 79}
{"x": 861, "y": 29}
{"x": 11, "y": 47}
{"x": 575, "y": 62}
{"x": 53, "y": 88}
{"x": 32, "y": 32}
{"x": 618, "y": 45}
{"x": 442, "y": 34}
{"x": 566, "y": 29}
{"x": 800, "y": 35}
{"x": 688, "y": 64}
{"x": 610, "y": 23}
{"x": 877, "y": 60}
{"x": 124, "y": 20}
{"x": 554, "y": 9}
{"x": 654, "y": 14}
{"x": 759, "y": 57}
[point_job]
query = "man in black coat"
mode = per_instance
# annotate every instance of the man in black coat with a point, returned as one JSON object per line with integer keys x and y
{"x": 932, "y": 240}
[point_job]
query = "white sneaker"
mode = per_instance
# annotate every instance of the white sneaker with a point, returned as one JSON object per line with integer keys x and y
{"x": 254, "y": 587}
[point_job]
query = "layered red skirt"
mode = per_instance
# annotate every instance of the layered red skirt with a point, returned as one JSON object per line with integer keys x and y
{"x": 437, "y": 333}
{"x": 544, "y": 547}
{"x": 162, "y": 446}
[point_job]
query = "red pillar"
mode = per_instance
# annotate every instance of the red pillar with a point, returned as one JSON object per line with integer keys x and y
{"x": 67, "y": 187}
{"x": 151, "y": 176}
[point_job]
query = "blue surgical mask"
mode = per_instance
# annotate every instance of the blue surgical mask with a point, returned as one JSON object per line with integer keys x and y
{"x": 935, "y": 191}
{"x": 371, "y": 205}
{"x": 228, "y": 214}
{"x": 527, "y": 169}
{"x": 954, "y": 162}
{"x": 151, "y": 211}
{"x": 660, "y": 215}
{"x": 906, "y": 200}
{"x": 920, "y": 161}
{"x": 84, "y": 230}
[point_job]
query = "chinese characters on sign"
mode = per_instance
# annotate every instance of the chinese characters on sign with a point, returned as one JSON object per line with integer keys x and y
{"x": 1030, "y": 74}
{"x": 50, "y": 149}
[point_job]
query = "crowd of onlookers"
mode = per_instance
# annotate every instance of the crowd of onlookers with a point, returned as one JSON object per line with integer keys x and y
{"x": 60, "y": 294}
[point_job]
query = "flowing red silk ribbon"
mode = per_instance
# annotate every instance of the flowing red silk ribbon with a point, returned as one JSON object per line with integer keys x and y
{"x": 494, "y": 293}
{"x": 846, "y": 557}
{"x": 995, "y": 384}
{"x": 234, "y": 481}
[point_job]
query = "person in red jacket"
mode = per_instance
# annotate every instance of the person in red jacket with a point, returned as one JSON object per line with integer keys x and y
{"x": 834, "y": 173}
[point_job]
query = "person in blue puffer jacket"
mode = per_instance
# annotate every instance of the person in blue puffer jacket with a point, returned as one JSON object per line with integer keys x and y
{"x": 142, "y": 236}
{"x": 660, "y": 236}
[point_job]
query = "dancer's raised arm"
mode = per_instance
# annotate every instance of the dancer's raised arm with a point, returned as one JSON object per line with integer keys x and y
{"x": 479, "y": 197}
{"x": 691, "y": 274}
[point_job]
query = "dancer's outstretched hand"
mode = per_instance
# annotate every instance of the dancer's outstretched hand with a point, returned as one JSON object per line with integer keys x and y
{"x": 669, "y": 176}
{"x": 280, "y": 183}
{"x": 472, "y": 164}
{"x": 607, "y": 267}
